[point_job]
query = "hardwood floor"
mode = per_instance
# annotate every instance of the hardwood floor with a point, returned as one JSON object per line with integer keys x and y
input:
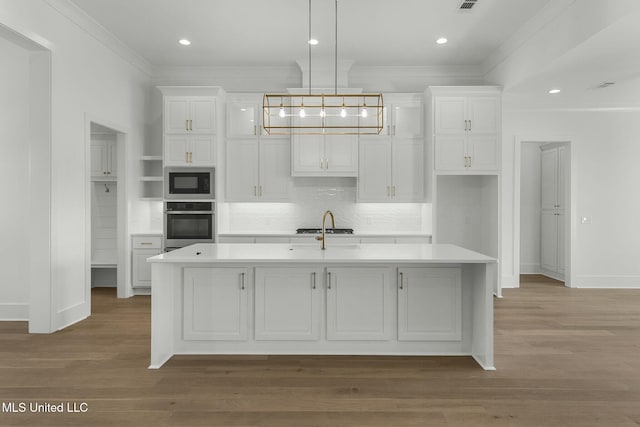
{"x": 564, "y": 357}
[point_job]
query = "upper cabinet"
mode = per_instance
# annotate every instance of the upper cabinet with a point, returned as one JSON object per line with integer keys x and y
{"x": 392, "y": 164}
{"x": 324, "y": 155}
{"x": 466, "y": 129}
{"x": 244, "y": 117}
{"x": 190, "y": 124}
{"x": 104, "y": 155}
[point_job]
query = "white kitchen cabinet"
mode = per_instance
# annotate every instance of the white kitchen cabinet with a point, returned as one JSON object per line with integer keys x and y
{"x": 466, "y": 133}
{"x": 189, "y": 150}
{"x": 360, "y": 304}
{"x": 258, "y": 170}
{"x": 215, "y": 303}
{"x": 245, "y": 117}
{"x": 552, "y": 219}
{"x": 143, "y": 247}
{"x": 324, "y": 155}
{"x": 391, "y": 170}
{"x": 189, "y": 115}
{"x": 429, "y": 304}
{"x": 287, "y": 303}
{"x": 104, "y": 158}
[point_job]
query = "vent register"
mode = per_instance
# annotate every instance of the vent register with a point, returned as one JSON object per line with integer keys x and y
{"x": 467, "y": 4}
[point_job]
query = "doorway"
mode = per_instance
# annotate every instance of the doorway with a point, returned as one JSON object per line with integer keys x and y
{"x": 543, "y": 204}
{"x": 106, "y": 208}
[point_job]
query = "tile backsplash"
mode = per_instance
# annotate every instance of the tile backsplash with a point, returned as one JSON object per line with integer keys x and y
{"x": 310, "y": 198}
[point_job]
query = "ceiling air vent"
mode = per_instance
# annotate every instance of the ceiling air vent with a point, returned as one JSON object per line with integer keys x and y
{"x": 467, "y": 4}
{"x": 604, "y": 84}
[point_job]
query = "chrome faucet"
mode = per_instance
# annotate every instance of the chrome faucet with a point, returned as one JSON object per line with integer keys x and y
{"x": 333, "y": 225}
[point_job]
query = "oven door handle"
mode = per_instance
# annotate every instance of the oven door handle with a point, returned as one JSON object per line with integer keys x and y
{"x": 190, "y": 212}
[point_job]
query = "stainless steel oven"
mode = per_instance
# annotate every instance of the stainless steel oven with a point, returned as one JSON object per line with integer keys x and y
{"x": 189, "y": 183}
{"x": 187, "y": 223}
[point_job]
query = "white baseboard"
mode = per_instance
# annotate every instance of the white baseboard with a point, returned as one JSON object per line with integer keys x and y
{"x": 71, "y": 315}
{"x": 607, "y": 282}
{"x": 510, "y": 282}
{"x": 530, "y": 269}
{"x": 14, "y": 312}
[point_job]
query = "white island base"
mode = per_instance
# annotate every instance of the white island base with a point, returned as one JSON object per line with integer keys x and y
{"x": 368, "y": 299}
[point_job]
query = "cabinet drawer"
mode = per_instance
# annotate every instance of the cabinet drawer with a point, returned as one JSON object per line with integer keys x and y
{"x": 146, "y": 242}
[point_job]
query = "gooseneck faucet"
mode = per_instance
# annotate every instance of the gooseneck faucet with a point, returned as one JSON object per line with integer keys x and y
{"x": 333, "y": 225}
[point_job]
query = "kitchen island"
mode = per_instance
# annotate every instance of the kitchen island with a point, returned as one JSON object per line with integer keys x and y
{"x": 360, "y": 299}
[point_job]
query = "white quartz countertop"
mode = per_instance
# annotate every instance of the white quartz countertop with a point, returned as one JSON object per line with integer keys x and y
{"x": 372, "y": 253}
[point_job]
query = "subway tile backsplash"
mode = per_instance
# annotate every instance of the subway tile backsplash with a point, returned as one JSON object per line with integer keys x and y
{"x": 310, "y": 197}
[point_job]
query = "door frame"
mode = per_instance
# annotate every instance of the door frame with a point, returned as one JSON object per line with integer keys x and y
{"x": 570, "y": 220}
{"x": 123, "y": 246}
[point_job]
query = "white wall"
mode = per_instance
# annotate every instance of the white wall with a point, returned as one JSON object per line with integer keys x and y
{"x": 14, "y": 151}
{"x": 87, "y": 79}
{"x": 605, "y": 179}
{"x": 530, "y": 208}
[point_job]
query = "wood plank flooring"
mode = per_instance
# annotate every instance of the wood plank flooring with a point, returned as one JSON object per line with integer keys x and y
{"x": 564, "y": 357}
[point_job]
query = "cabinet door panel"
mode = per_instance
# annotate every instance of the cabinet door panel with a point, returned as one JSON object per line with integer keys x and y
{"x": 287, "y": 304}
{"x": 561, "y": 245}
{"x": 176, "y": 114}
{"x": 341, "y": 152}
{"x": 549, "y": 240}
{"x": 275, "y": 169}
{"x": 241, "y": 119}
{"x": 215, "y": 304}
{"x": 408, "y": 170}
{"x": 307, "y": 153}
{"x": 483, "y": 114}
{"x": 175, "y": 150}
{"x": 549, "y": 174}
{"x": 202, "y": 115}
{"x": 242, "y": 170}
{"x": 141, "y": 268}
{"x": 450, "y": 115}
{"x": 483, "y": 153}
{"x": 450, "y": 153}
{"x": 202, "y": 150}
{"x": 430, "y": 304}
{"x": 360, "y": 304}
{"x": 99, "y": 153}
{"x": 407, "y": 119}
{"x": 374, "y": 178}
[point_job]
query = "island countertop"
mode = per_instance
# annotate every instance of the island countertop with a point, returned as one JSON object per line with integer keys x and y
{"x": 367, "y": 253}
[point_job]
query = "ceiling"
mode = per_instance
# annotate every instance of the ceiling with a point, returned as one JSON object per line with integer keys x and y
{"x": 274, "y": 32}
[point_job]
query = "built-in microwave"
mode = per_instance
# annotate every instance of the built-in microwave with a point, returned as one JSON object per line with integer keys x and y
{"x": 189, "y": 183}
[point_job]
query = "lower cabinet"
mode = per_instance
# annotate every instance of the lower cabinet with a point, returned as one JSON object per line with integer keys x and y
{"x": 143, "y": 247}
{"x": 287, "y": 303}
{"x": 359, "y": 304}
{"x": 429, "y": 304}
{"x": 215, "y": 303}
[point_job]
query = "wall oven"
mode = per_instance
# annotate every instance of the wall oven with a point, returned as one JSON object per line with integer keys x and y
{"x": 187, "y": 223}
{"x": 189, "y": 183}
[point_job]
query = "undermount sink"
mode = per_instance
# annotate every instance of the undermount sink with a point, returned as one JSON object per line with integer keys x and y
{"x": 327, "y": 231}
{"x": 317, "y": 247}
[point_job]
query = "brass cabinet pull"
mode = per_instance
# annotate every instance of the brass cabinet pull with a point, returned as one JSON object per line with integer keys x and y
{"x": 469, "y": 125}
{"x": 469, "y": 161}
{"x": 401, "y": 280}
{"x": 186, "y": 157}
{"x": 313, "y": 280}
{"x": 328, "y": 280}
{"x": 146, "y": 243}
{"x": 242, "y": 285}
{"x": 326, "y": 162}
{"x": 190, "y": 124}
{"x": 186, "y": 125}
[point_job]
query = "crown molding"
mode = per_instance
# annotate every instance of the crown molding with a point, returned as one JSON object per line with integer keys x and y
{"x": 76, "y": 15}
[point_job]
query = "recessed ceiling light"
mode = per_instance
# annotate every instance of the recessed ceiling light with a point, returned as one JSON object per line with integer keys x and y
{"x": 442, "y": 40}
{"x": 552, "y": 91}
{"x": 313, "y": 42}
{"x": 184, "y": 42}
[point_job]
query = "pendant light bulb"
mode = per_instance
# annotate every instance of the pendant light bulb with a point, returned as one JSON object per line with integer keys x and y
{"x": 343, "y": 112}
{"x": 364, "y": 113}
{"x": 302, "y": 112}
{"x": 281, "y": 112}
{"x": 323, "y": 113}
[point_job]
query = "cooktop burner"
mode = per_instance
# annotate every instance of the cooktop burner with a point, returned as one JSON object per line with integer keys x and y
{"x": 328, "y": 231}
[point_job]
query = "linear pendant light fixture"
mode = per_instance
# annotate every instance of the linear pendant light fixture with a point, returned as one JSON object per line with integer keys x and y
{"x": 323, "y": 114}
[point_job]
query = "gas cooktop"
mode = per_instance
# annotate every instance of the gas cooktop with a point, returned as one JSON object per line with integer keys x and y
{"x": 328, "y": 231}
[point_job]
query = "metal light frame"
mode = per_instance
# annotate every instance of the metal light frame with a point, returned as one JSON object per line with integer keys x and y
{"x": 331, "y": 114}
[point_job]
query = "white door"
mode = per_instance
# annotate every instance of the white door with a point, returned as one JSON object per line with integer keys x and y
{"x": 202, "y": 115}
{"x": 242, "y": 170}
{"x": 176, "y": 150}
{"x": 308, "y": 154}
{"x": 482, "y": 152}
{"x": 408, "y": 170}
{"x": 482, "y": 114}
{"x": 549, "y": 240}
{"x": 450, "y": 115}
{"x": 202, "y": 149}
{"x": 374, "y": 177}
{"x": 215, "y": 303}
{"x": 360, "y": 304}
{"x": 176, "y": 111}
{"x": 407, "y": 119}
{"x": 275, "y": 169}
{"x": 429, "y": 304}
{"x": 99, "y": 153}
{"x": 341, "y": 154}
{"x": 450, "y": 152}
{"x": 287, "y": 304}
{"x": 549, "y": 175}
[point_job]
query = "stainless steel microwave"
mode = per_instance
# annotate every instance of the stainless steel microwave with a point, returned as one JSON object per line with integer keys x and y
{"x": 189, "y": 183}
